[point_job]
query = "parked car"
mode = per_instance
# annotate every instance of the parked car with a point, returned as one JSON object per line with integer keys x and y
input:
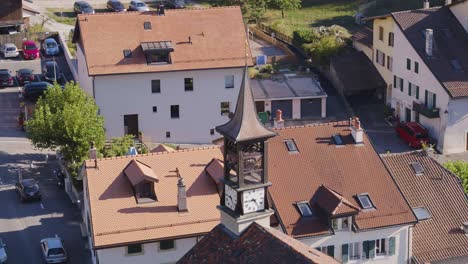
{"x": 137, "y": 5}
{"x": 28, "y": 189}
{"x": 24, "y": 76}
{"x": 3, "y": 254}
{"x": 82, "y": 7}
{"x": 5, "y": 78}
{"x": 50, "y": 47}
{"x": 52, "y": 72}
{"x": 115, "y": 6}
{"x": 53, "y": 250}
{"x": 9, "y": 50}
{"x": 32, "y": 91}
{"x": 413, "y": 133}
{"x": 30, "y": 50}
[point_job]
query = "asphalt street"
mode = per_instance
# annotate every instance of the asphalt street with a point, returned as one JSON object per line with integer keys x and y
{"x": 23, "y": 225}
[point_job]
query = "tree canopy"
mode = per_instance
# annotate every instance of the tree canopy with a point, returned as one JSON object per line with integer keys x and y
{"x": 284, "y": 5}
{"x": 459, "y": 168}
{"x": 66, "y": 119}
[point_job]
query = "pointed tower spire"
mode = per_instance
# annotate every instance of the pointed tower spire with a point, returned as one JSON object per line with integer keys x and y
{"x": 245, "y": 125}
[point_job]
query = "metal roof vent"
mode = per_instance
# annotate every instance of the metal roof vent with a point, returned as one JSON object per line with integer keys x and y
{"x": 127, "y": 53}
{"x": 417, "y": 167}
{"x": 147, "y": 25}
{"x": 465, "y": 227}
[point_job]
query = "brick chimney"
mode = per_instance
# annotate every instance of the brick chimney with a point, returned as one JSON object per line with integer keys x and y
{"x": 426, "y": 4}
{"x": 279, "y": 122}
{"x": 429, "y": 41}
{"x": 357, "y": 132}
{"x": 181, "y": 194}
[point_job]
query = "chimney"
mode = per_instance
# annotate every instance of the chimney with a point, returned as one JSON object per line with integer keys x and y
{"x": 279, "y": 122}
{"x": 426, "y": 4}
{"x": 465, "y": 227}
{"x": 448, "y": 2}
{"x": 181, "y": 194}
{"x": 429, "y": 41}
{"x": 92, "y": 152}
{"x": 357, "y": 132}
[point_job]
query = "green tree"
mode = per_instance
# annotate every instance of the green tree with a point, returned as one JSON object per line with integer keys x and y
{"x": 66, "y": 119}
{"x": 284, "y": 5}
{"x": 459, "y": 168}
{"x": 322, "y": 49}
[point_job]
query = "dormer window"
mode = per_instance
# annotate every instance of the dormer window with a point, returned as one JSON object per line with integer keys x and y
{"x": 157, "y": 52}
{"x": 304, "y": 209}
{"x": 142, "y": 180}
{"x": 365, "y": 201}
{"x": 341, "y": 223}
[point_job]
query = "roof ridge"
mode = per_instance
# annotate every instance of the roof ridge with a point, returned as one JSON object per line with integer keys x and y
{"x": 419, "y": 9}
{"x": 400, "y": 153}
{"x": 341, "y": 122}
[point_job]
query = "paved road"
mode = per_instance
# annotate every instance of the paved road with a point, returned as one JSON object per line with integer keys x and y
{"x": 22, "y": 225}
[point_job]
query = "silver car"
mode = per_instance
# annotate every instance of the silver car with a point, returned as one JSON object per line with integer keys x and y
{"x": 9, "y": 50}
{"x": 3, "y": 254}
{"x": 137, "y": 5}
{"x": 53, "y": 250}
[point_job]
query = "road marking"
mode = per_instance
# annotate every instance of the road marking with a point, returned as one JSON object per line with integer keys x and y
{"x": 42, "y": 206}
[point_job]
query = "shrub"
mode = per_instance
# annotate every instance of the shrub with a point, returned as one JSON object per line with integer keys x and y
{"x": 459, "y": 168}
{"x": 303, "y": 36}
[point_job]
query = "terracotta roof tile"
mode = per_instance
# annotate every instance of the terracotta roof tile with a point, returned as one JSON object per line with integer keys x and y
{"x": 162, "y": 148}
{"x": 255, "y": 245}
{"x": 451, "y": 42}
{"x": 111, "y": 197}
{"x": 136, "y": 172}
{"x": 349, "y": 170}
{"x": 440, "y": 192}
{"x": 333, "y": 203}
{"x": 217, "y": 34}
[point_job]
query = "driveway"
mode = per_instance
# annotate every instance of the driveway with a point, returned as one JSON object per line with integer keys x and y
{"x": 22, "y": 225}
{"x": 383, "y": 136}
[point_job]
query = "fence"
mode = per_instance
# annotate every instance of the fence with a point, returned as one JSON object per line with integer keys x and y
{"x": 290, "y": 57}
{"x": 274, "y": 33}
{"x": 16, "y": 39}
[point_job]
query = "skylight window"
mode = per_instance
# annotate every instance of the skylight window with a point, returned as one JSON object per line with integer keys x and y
{"x": 147, "y": 25}
{"x": 417, "y": 167}
{"x": 365, "y": 201}
{"x": 127, "y": 53}
{"x": 421, "y": 213}
{"x": 304, "y": 208}
{"x": 338, "y": 140}
{"x": 291, "y": 145}
{"x": 456, "y": 65}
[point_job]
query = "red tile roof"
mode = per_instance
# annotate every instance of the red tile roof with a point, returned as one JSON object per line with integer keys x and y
{"x": 217, "y": 34}
{"x": 136, "y": 172}
{"x": 255, "y": 245}
{"x": 162, "y": 148}
{"x": 451, "y": 42}
{"x": 333, "y": 203}
{"x": 440, "y": 192}
{"x": 348, "y": 169}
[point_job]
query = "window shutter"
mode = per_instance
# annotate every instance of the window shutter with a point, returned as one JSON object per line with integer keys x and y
{"x": 344, "y": 253}
{"x": 401, "y": 84}
{"x": 425, "y": 98}
{"x": 409, "y": 88}
{"x": 394, "y": 81}
{"x": 365, "y": 249}
{"x": 372, "y": 249}
{"x": 331, "y": 251}
{"x": 391, "y": 246}
{"x": 434, "y": 101}
{"x": 417, "y": 92}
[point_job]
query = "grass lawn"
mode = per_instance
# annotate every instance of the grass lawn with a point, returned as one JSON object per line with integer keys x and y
{"x": 62, "y": 15}
{"x": 314, "y": 13}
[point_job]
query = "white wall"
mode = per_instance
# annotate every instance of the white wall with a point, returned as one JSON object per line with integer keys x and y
{"x": 85, "y": 81}
{"x": 457, "y": 126}
{"x": 461, "y": 13}
{"x": 151, "y": 253}
{"x": 425, "y": 80}
{"x": 200, "y": 109}
{"x": 346, "y": 236}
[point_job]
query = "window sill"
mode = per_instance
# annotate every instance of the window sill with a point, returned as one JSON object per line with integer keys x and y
{"x": 134, "y": 254}
{"x": 175, "y": 117}
{"x": 230, "y": 87}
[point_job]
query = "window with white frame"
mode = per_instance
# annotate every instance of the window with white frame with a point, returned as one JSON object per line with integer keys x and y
{"x": 380, "y": 57}
{"x": 354, "y": 250}
{"x": 398, "y": 82}
{"x": 380, "y": 247}
{"x": 340, "y": 223}
{"x": 229, "y": 81}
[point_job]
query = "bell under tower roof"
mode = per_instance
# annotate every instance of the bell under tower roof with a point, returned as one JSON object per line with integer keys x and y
{"x": 245, "y": 126}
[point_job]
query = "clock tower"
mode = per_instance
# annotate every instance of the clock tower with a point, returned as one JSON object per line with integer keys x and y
{"x": 244, "y": 199}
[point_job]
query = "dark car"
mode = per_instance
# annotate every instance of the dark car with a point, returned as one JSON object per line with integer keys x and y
{"x": 5, "y": 78}
{"x": 34, "y": 90}
{"x": 82, "y": 7}
{"x": 413, "y": 133}
{"x": 24, "y": 76}
{"x": 28, "y": 189}
{"x": 52, "y": 72}
{"x": 115, "y": 6}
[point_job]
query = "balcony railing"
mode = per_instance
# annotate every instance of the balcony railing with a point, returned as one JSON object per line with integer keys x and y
{"x": 427, "y": 112}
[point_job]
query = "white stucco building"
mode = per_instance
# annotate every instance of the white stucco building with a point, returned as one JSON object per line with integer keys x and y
{"x": 171, "y": 76}
{"x": 428, "y": 66}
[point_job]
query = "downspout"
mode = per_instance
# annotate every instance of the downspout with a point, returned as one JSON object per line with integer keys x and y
{"x": 94, "y": 93}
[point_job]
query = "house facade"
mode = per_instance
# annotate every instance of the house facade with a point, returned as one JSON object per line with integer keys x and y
{"x": 165, "y": 77}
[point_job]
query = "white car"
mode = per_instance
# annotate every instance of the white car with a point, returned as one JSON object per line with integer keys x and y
{"x": 53, "y": 250}
{"x": 137, "y": 5}
{"x": 9, "y": 50}
{"x": 3, "y": 254}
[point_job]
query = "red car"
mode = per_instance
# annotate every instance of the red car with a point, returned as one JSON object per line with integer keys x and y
{"x": 30, "y": 50}
{"x": 413, "y": 133}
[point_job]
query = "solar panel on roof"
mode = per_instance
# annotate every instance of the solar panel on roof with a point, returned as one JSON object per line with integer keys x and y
{"x": 417, "y": 167}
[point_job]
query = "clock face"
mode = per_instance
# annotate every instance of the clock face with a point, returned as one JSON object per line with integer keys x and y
{"x": 253, "y": 200}
{"x": 230, "y": 197}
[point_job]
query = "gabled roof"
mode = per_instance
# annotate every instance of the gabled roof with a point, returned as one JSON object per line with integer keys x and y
{"x": 333, "y": 203}
{"x": 30, "y": 8}
{"x": 245, "y": 125}
{"x": 162, "y": 148}
{"x": 450, "y": 42}
{"x": 137, "y": 172}
{"x": 216, "y": 170}
{"x": 364, "y": 36}
{"x": 217, "y": 40}
{"x": 255, "y": 245}
{"x": 440, "y": 192}
{"x": 348, "y": 170}
{"x": 111, "y": 197}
